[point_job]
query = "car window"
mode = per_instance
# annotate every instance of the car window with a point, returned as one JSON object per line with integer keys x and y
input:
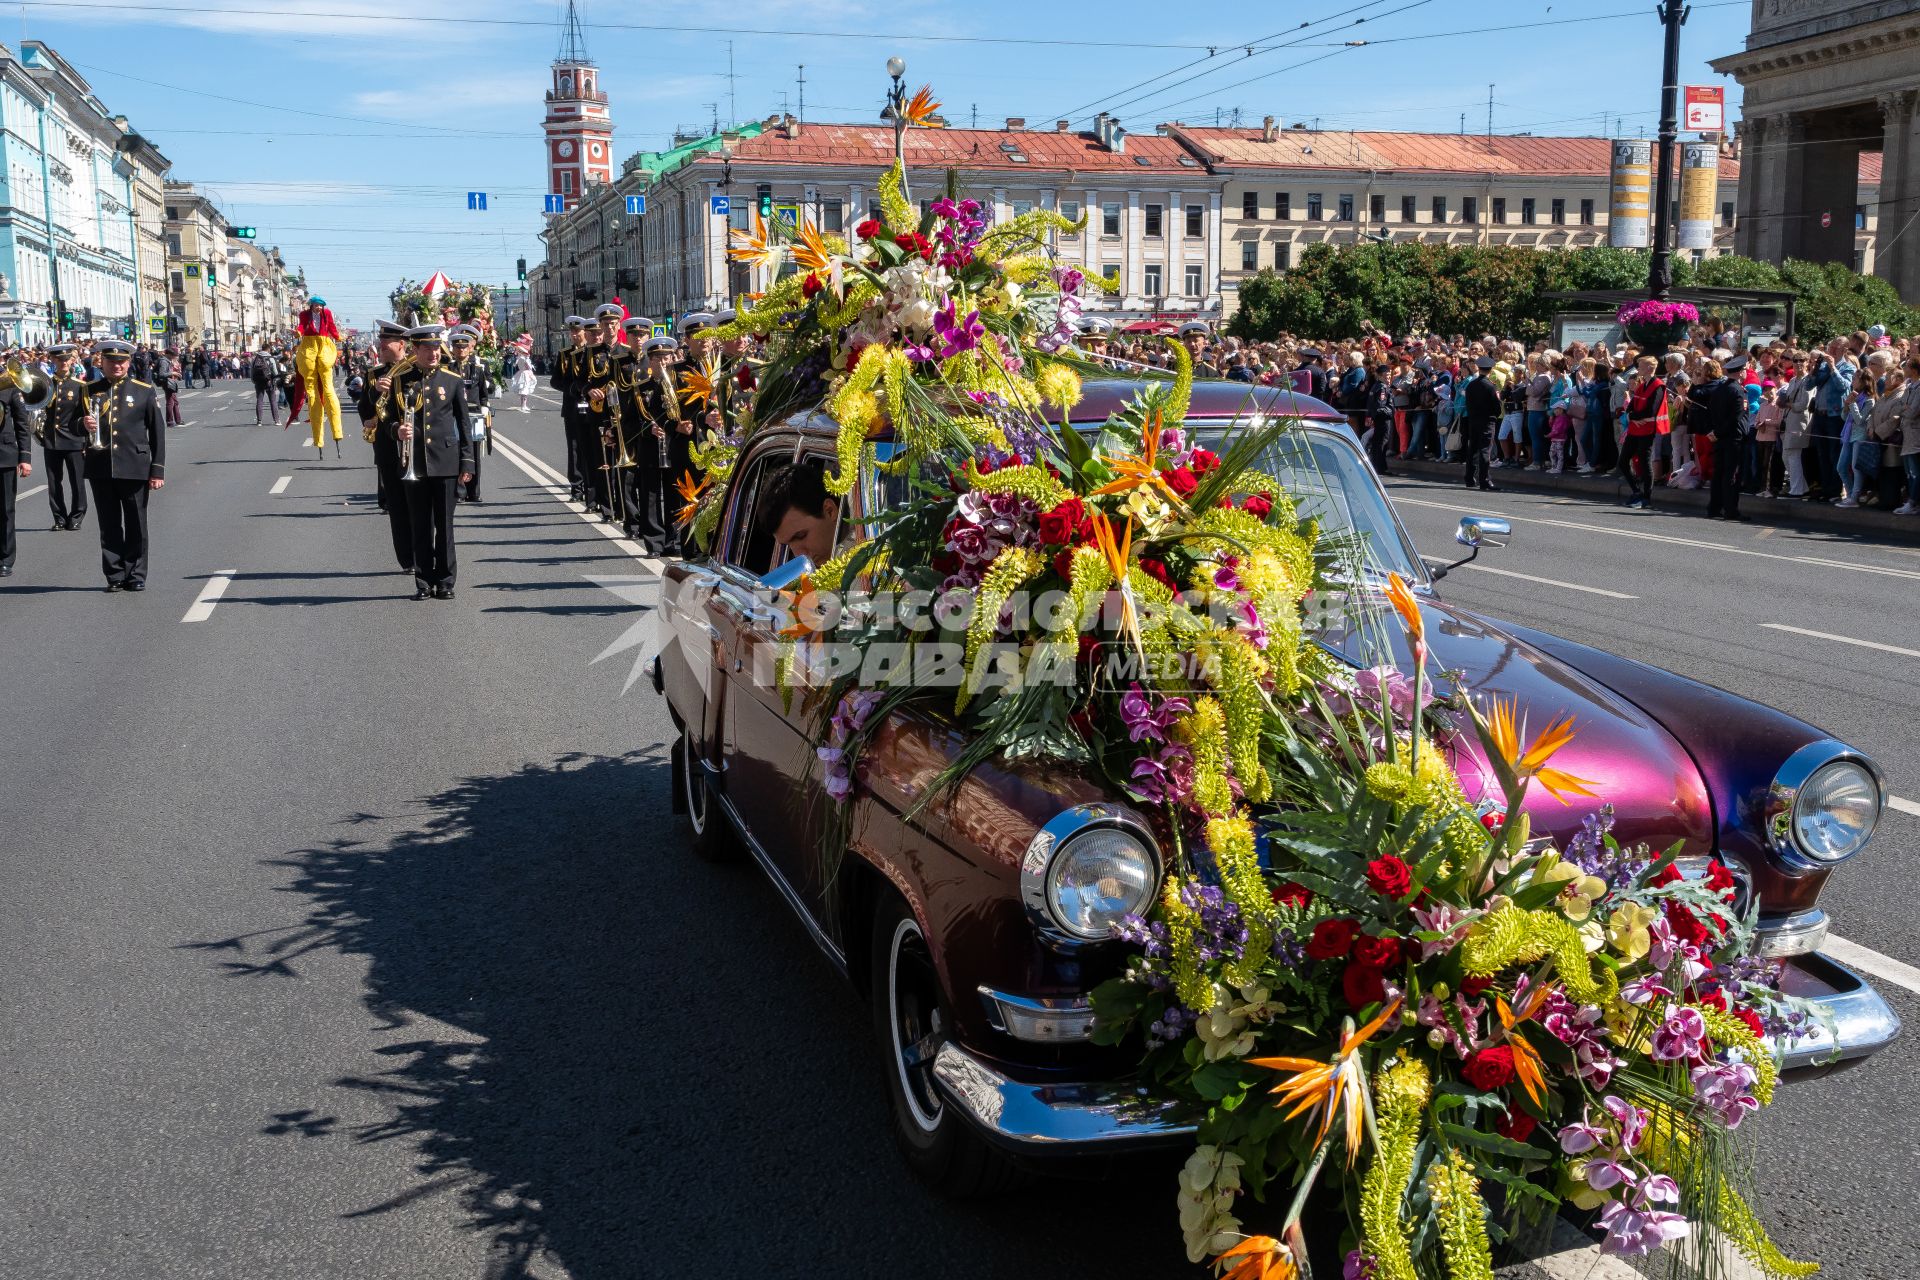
{"x": 752, "y": 548}
{"x": 1330, "y": 482}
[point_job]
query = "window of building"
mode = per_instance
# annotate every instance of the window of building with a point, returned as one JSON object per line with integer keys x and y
{"x": 1726, "y": 212}
{"x": 1110, "y": 218}
{"x": 1377, "y": 208}
{"x": 179, "y": 284}
{"x": 1470, "y": 209}
{"x": 566, "y": 182}
{"x": 1249, "y": 255}
{"x": 1250, "y": 205}
{"x": 1586, "y": 213}
{"x": 1346, "y": 208}
{"x": 739, "y": 216}
{"x": 1499, "y": 209}
{"x": 1439, "y": 208}
{"x": 1070, "y": 210}
{"x": 1022, "y": 208}
{"x": 1313, "y": 206}
{"x": 1196, "y": 221}
{"x": 1283, "y": 206}
{"x": 173, "y": 214}
{"x": 1110, "y": 273}
{"x": 1859, "y": 217}
{"x": 1194, "y": 286}
{"x": 1558, "y": 213}
{"x": 173, "y": 244}
{"x": 1152, "y": 280}
{"x": 1283, "y": 255}
{"x": 1156, "y": 223}
{"x": 831, "y": 216}
{"x": 1527, "y": 211}
{"x": 1406, "y": 209}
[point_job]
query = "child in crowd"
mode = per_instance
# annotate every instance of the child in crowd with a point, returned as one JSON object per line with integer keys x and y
{"x": 1766, "y": 435}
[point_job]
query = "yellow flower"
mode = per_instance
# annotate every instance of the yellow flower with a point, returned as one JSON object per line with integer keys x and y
{"x": 812, "y": 253}
{"x": 1260, "y": 1258}
{"x": 1579, "y": 892}
{"x": 1400, "y": 596}
{"x": 1628, "y": 931}
{"x": 1502, "y": 731}
{"x": 1146, "y": 508}
{"x": 1335, "y": 1087}
{"x": 753, "y": 247}
{"x": 920, "y": 108}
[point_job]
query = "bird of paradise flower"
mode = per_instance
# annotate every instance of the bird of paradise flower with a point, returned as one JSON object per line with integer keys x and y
{"x": 755, "y": 247}
{"x": 921, "y": 107}
{"x": 701, "y": 384}
{"x": 1260, "y": 1258}
{"x": 1142, "y": 469}
{"x": 689, "y": 487}
{"x": 812, "y": 254}
{"x": 1337, "y": 1086}
{"x": 1501, "y": 731}
{"x": 1528, "y": 1067}
{"x": 1117, "y": 548}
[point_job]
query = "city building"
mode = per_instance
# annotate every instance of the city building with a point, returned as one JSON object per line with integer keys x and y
{"x": 579, "y": 131}
{"x": 150, "y": 170}
{"x": 198, "y": 291}
{"x": 67, "y": 229}
{"x": 1827, "y": 85}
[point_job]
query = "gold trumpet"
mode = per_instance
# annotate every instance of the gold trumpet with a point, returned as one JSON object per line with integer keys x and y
{"x": 403, "y": 365}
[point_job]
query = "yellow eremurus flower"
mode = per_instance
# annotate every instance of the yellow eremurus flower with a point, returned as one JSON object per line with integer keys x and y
{"x": 1505, "y": 730}
{"x": 1336, "y": 1085}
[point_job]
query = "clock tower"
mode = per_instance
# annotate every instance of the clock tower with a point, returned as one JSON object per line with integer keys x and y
{"x": 579, "y": 130}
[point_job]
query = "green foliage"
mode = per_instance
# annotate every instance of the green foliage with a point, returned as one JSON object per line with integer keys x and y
{"x": 1836, "y": 300}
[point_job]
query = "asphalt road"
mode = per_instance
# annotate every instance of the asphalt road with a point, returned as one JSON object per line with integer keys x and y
{"x": 344, "y": 935}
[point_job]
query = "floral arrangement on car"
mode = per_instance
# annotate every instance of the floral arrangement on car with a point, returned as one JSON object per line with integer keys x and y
{"x": 1355, "y": 978}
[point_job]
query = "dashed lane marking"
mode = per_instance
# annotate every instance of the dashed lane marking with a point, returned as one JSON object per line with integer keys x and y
{"x": 1550, "y": 582}
{"x": 1905, "y": 806}
{"x": 28, "y": 493}
{"x": 1885, "y": 968}
{"x": 280, "y": 485}
{"x": 1828, "y": 635}
{"x": 202, "y": 607}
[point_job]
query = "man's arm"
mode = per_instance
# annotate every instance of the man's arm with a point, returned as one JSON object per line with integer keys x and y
{"x": 156, "y": 438}
{"x": 460, "y": 416}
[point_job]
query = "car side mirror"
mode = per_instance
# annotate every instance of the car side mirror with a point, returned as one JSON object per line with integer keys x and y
{"x": 783, "y": 576}
{"x": 1473, "y": 534}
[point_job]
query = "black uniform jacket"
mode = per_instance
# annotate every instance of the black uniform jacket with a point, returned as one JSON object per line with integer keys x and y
{"x": 16, "y": 431}
{"x": 64, "y": 411}
{"x": 133, "y": 425}
{"x": 1483, "y": 403}
{"x": 436, "y": 405}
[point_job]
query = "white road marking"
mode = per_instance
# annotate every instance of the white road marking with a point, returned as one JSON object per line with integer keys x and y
{"x": 1550, "y": 582}
{"x": 1886, "y": 968}
{"x": 202, "y": 607}
{"x": 1584, "y": 527}
{"x": 555, "y": 486}
{"x": 39, "y": 488}
{"x": 1904, "y": 806}
{"x": 1827, "y": 635}
{"x": 280, "y": 485}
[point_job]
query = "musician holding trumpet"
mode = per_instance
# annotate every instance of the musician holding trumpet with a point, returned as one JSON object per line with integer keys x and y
{"x": 377, "y": 426}
{"x": 125, "y": 461}
{"x": 435, "y": 440}
{"x": 63, "y": 440}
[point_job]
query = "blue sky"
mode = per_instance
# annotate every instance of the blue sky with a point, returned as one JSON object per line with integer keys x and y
{"x": 351, "y": 141}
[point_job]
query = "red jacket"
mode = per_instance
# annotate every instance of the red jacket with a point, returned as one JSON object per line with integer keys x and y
{"x": 323, "y": 327}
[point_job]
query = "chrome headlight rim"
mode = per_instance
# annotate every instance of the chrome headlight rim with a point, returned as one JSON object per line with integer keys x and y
{"x": 1036, "y": 866}
{"x": 1783, "y": 800}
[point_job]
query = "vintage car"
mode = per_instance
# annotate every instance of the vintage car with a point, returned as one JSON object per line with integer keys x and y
{"x": 967, "y": 928}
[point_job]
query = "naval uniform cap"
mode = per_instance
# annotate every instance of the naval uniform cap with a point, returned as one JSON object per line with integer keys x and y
{"x": 725, "y": 316}
{"x": 638, "y": 324}
{"x": 694, "y": 321}
{"x": 1094, "y": 326}
{"x": 463, "y": 333}
{"x": 578, "y": 322}
{"x": 61, "y": 349}
{"x": 658, "y": 344}
{"x": 606, "y": 309}
{"x": 1485, "y": 362}
{"x": 391, "y": 329}
{"x": 1736, "y": 365}
{"x": 1193, "y": 326}
{"x": 112, "y": 347}
{"x": 428, "y": 333}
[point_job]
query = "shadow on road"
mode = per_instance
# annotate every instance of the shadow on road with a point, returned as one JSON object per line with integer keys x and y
{"x": 654, "y": 1072}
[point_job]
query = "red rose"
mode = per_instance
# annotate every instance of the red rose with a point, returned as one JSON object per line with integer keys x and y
{"x": 1157, "y": 570}
{"x": 1063, "y": 565}
{"x": 1494, "y": 820}
{"x": 1363, "y": 985}
{"x": 1331, "y": 939}
{"x": 1489, "y": 1068}
{"x": 1752, "y": 1020}
{"x": 1517, "y": 1125}
{"x": 1375, "y": 953}
{"x": 1720, "y": 880}
{"x": 1712, "y": 1000}
{"x": 1390, "y": 877}
{"x": 812, "y": 284}
{"x": 1182, "y": 481}
{"x": 869, "y": 229}
{"x": 1058, "y": 526}
{"x": 1667, "y": 875}
{"x": 1258, "y": 505}
{"x": 1685, "y": 925}
{"x": 1203, "y": 461}
{"x": 1474, "y": 988}
{"x": 1089, "y": 648}
{"x": 1292, "y": 895}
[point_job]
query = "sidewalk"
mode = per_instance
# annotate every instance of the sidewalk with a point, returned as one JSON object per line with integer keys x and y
{"x": 1792, "y": 513}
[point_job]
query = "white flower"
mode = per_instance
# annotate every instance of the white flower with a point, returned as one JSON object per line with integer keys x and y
{"x": 917, "y": 314}
{"x": 1208, "y": 1185}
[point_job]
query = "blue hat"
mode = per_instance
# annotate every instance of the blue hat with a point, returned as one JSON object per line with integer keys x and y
{"x": 316, "y": 301}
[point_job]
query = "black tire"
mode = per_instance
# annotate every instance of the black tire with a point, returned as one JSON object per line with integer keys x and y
{"x": 713, "y": 837}
{"x": 909, "y": 1021}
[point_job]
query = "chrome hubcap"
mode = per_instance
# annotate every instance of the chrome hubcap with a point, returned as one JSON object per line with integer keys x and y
{"x": 919, "y": 1026}
{"x": 696, "y": 791}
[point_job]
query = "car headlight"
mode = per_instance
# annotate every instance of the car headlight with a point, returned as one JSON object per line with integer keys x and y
{"x": 1823, "y": 806}
{"x": 1087, "y": 869}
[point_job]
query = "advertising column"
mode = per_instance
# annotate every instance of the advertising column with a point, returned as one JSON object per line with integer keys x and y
{"x": 1699, "y": 189}
{"x": 1629, "y": 199}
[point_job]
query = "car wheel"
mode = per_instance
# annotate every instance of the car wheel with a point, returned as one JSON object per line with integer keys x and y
{"x": 911, "y": 1022}
{"x": 714, "y": 839}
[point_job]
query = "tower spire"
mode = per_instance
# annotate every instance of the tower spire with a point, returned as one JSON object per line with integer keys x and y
{"x": 573, "y": 44}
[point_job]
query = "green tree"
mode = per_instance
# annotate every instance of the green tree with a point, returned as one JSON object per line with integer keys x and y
{"x": 1834, "y": 300}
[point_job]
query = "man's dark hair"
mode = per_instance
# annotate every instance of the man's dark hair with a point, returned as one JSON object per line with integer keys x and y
{"x": 800, "y": 486}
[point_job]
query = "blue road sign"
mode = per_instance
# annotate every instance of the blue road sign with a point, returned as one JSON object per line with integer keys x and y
{"x": 636, "y": 204}
{"x": 477, "y": 200}
{"x": 555, "y": 204}
{"x": 722, "y": 206}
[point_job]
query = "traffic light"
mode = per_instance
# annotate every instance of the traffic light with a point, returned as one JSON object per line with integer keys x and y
{"x": 244, "y": 233}
{"x": 766, "y": 202}
{"x": 86, "y": 319}
{"x": 521, "y": 264}
{"x": 66, "y": 317}
{"x": 210, "y": 274}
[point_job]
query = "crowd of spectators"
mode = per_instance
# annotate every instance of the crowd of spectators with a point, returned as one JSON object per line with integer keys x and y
{"x": 1838, "y": 423}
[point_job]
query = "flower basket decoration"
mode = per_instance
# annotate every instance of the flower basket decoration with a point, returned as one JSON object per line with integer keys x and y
{"x": 1654, "y": 326}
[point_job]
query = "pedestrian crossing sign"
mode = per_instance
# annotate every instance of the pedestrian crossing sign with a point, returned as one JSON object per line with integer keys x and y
{"x": 156, "y": 324}
{"x": 787, "y": 213}
{"x": 661, "y": 331}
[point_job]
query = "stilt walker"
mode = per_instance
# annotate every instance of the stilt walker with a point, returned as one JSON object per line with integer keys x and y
{"x": 314, "y": 360}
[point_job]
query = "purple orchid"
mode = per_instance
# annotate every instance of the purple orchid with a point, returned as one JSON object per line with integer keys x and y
{"x": 1165, "y": 778}
{"x": 1148, "y": 719}
{"x": 1679, "y": 1036}
{"x": 1582, "y": 1136}
{"x": 1644, "y": 990}
{"x": 956, "y": 334}
{"x": 1631, "y": 1119}
{"x": 1251, "y": 625}
{"x": 1726, "y": 1089}
{"x": 1605, "y": 1172}
{"x": 1634, "y": 1233}
{"x": 1582, "y": 1028}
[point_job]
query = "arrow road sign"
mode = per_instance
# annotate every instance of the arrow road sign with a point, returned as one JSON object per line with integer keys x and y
{"x": 636, "y": 204}
{"x": 722, "y": 206}
{"x": 477, "y": 200}
{"x": 555, "y": 204}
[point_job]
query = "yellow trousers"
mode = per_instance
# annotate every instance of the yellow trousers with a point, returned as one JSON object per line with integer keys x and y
{"x": 313, "y": 361}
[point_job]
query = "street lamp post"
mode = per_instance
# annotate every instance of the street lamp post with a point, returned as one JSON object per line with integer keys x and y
{"x": 1660, "y": 269}
{"x": 726, "y": 189}
{"x": 897, "y": 108}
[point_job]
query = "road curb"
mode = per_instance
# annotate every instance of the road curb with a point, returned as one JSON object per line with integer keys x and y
{"x": 1611, "y": 490}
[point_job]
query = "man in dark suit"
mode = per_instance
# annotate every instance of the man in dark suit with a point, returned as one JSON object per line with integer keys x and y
{"x": 126, "y": 416}
{"x": 378, "y": 428}
{"x": 65, "y": 439}
{"x": 16, "y": 463}
{"x": 1483, "y": 412}
{"x": 565, "y": 381}
{"x": 433, "y": 429}
{"x": 478, "y": 379}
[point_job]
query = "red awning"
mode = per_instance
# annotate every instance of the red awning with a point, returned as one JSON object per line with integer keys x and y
{"x": 437, "y": 283}
{"x": 1147, "y": 326}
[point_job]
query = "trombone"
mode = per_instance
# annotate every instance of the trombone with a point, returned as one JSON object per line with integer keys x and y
{"x": 625, "y": 459}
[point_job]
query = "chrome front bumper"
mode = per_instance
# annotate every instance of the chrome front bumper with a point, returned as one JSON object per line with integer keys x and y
{"x": 1863, "y": 1023}
{"x": 1055, "y": 1119}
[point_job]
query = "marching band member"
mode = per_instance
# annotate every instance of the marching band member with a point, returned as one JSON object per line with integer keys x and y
{"x": 565, "y": 382}
{"x": 126, "y": 418}
{"x": 314, "y": 358}
{"x": 433, "y": 433}
{"x": 599, "y": 365}
{"x": 65, "y": 440}
{"x": 659, "y": 403}
{"x": 472, "y": 371}
{"x": 379, "y": 427}
{"x": 16, "y": 464}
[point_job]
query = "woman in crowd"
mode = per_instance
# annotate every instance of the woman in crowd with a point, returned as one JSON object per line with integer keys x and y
{"x": 1796, "y": 401}
{"x": 1910, "y": 437}
{"x": 1766, "y": 437}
